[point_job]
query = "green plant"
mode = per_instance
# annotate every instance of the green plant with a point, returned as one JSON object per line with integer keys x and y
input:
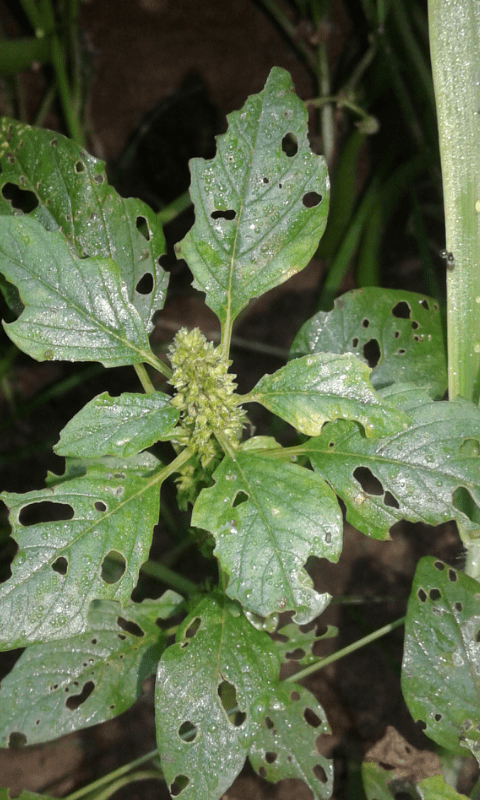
{"x": 84, "y": 265}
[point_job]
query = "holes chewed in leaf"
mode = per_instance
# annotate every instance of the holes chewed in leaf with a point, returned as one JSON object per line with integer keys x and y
{"x": 113, "y": 567}
{"x": 193, "y": 628}
{"x": 452, "y": 576}
{"x": 320, "y": 773}
{"x": 365, "y": 322}
{"x": 434, "y": 594}
{"x": 60, "y": 565}
{"x": 401, "y": 310}
{"x": 239, "y": 498}
{"x": 311, "y": 718}
{"x": 179, "y": 784}
{"x": 100, "y": 505}
{"x": 129, "y": 626}
{"x": 311, "y": 199}
{"x": 228, "y": 214}
{"x": 439, "y": 565}
{"x": 367, "y": 480}
{"x": 421, "y": 724}
{"x": 422, "y": 595}
{"x": 390, "y": 500}
{"x": 21, "y": 199}
{"x": 425, "y": 305}
{"x": 188, "y": 731}
{"x": 458, "y": 606}
{"x": 355, "y": 342}
{"x": 270, "y": 757}
{"x": 145, "y": 284}
{"x": 142, "y": 227}
{"x": 294, "y": 696}
{"x": 290, "y": 145}
{"x": 228, "y": 696}
{"x": 45, "y": 511}
{"x": 16, "y": 740}
{"x": 372, "y": 353}
{"x": 76, "y": 700}
{"x": 79, "y": 166}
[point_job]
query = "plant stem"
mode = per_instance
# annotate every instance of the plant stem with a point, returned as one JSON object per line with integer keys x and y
{"x": 141, "y": 775}
{"x": 324, "y": 662}
{"x": 174, "y": 208}
{"x": 144, "y": 378}
{"x": 455, "y": 50}
{"x": 106, "y": 779}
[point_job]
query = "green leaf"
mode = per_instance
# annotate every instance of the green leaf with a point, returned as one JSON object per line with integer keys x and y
{"x": 26, "y": 795}
{"x": 415, "y": 474}
{"x": 295, "y": 644}
{"x": 98, "y": 535}
{"x": 442, "y": 634}
{"x": 207, "y": 698}
{"x": 267, "y": 518}
{"x": 66, "y": 685}
{"x": 309, "y": 391}
{"x": 285, "y": 745}
{"x": 398, "y": 333}
{"x": 61, "y": 186}
{"x": 376, "y": 781}
{"x": 261, "y": 204}
{"x": 76, "y": 309}
{"x": 435, "y": 788}
{"x": 118, "y": 426}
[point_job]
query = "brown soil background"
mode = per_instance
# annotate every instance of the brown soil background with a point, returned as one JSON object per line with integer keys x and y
{"x": 140, "y": 53}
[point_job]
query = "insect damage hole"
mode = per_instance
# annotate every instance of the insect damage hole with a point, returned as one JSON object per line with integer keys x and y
{"x": 290, "y": 145}
{"x": 60, "y": 565}
{"x": 229, "y": 213}
{"x": 75, "y": 700}
{"x": 142, "y": 227}
{"x": 129, "y": 626}
{"x": 320, "y": 773}
{"x": 367, "y": 480}
{"x": 311, "y": 718}
{"x": 179, "y": 784}
{"x": 311, "y": 199}
{"x": 145, "y": 284}
{"x": 21, "y": 199}
{"x": 113, "y": 567}
{"x": 188, "y": 731}
{"x": 401, "y": 310}
{"x": 372, "y": 353}
{"x": 45, "y": 511}
{"x": 17, "y": 740}
{"x": 228, "y": 696}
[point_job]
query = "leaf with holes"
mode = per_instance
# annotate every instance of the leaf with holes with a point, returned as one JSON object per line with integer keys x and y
{"x": 97, "y": 536}
{"x": 309, "y": 391}
{"x": 66, "y": 685}
{"x": 76, "y": 309}
{"x": 296, "y": 645}
{"x": 442, "y": 640}
{"x": 261, "y": 204}
{"x": 118, "y": 426}
{"x": 285, "y": 744}
{"x": 418, "y": 474}
{"x": 54, "y": 181}
{"x": 435, "y": 788}
{"x": 399, "y": 334}
{"x": 267, "y": 518}
{"x": 207, "y": 698}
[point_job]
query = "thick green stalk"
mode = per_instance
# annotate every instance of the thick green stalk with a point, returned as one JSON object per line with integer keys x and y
{"x": 455, "y": 52}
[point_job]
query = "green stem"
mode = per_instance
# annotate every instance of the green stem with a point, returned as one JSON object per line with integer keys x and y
{"x": 290, "y": 31}
{"x": 455, "y": 50}
{"x": 163, "y": 574}
{"x": 144, "y": 378}
{"x": 141, "y": 775}
{"x": 324, "y": 662}
{"x": 106, "y": 779}
{"x": 174, "y": 208}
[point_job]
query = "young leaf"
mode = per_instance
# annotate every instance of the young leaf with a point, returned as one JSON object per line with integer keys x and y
{"x": 267, "y": 518}
{"x": 207, "y": 698}
{"x": 76, "y": 309}
{"x": 311, "y": 390}
{"x": 260, "y": 205}
{"x": 376, "y": 780}
{"x": 295, "y": 644}
{"x": 98, "y": 536}
{"x": 53, "y": 180}
{"x": 435, "y": 788}
{"x": 399, "y": 334}
{"x": 66, "y": 685}
{"x": 285, "y": 744}
{"x": 442, "y": 634}
{"x": 415, "y": 474}
{"x": 117, "y": 426}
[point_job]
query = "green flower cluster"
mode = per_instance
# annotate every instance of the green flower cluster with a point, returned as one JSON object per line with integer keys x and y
{"x": 204, "y": 396}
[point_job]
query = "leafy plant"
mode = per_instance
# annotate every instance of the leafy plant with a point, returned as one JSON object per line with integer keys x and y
{"x": 83, "y": 265}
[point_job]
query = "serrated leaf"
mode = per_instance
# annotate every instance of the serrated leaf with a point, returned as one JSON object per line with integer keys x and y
{"x": 61, "y": 186}
{"x": 309, "y": 391}
{"x": 413, "y": 474}
{"x": 118, "y": 426}
{"x": 76, "y": 309}
{"x": 285, "y": 514}
{"x": 66, "y": 685}
{"x": 260, "y": 208}
{"x": 285, "y": 744}
{"x": 442, "y": 640}
{"x": 399, "y": 333}
{"x": 93, "y": 551}
{"x": 202, "y": 740}
{"x": 435, "y": 788}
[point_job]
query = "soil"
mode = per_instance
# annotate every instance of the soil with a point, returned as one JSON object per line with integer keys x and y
{"x": 178, "y": 67}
